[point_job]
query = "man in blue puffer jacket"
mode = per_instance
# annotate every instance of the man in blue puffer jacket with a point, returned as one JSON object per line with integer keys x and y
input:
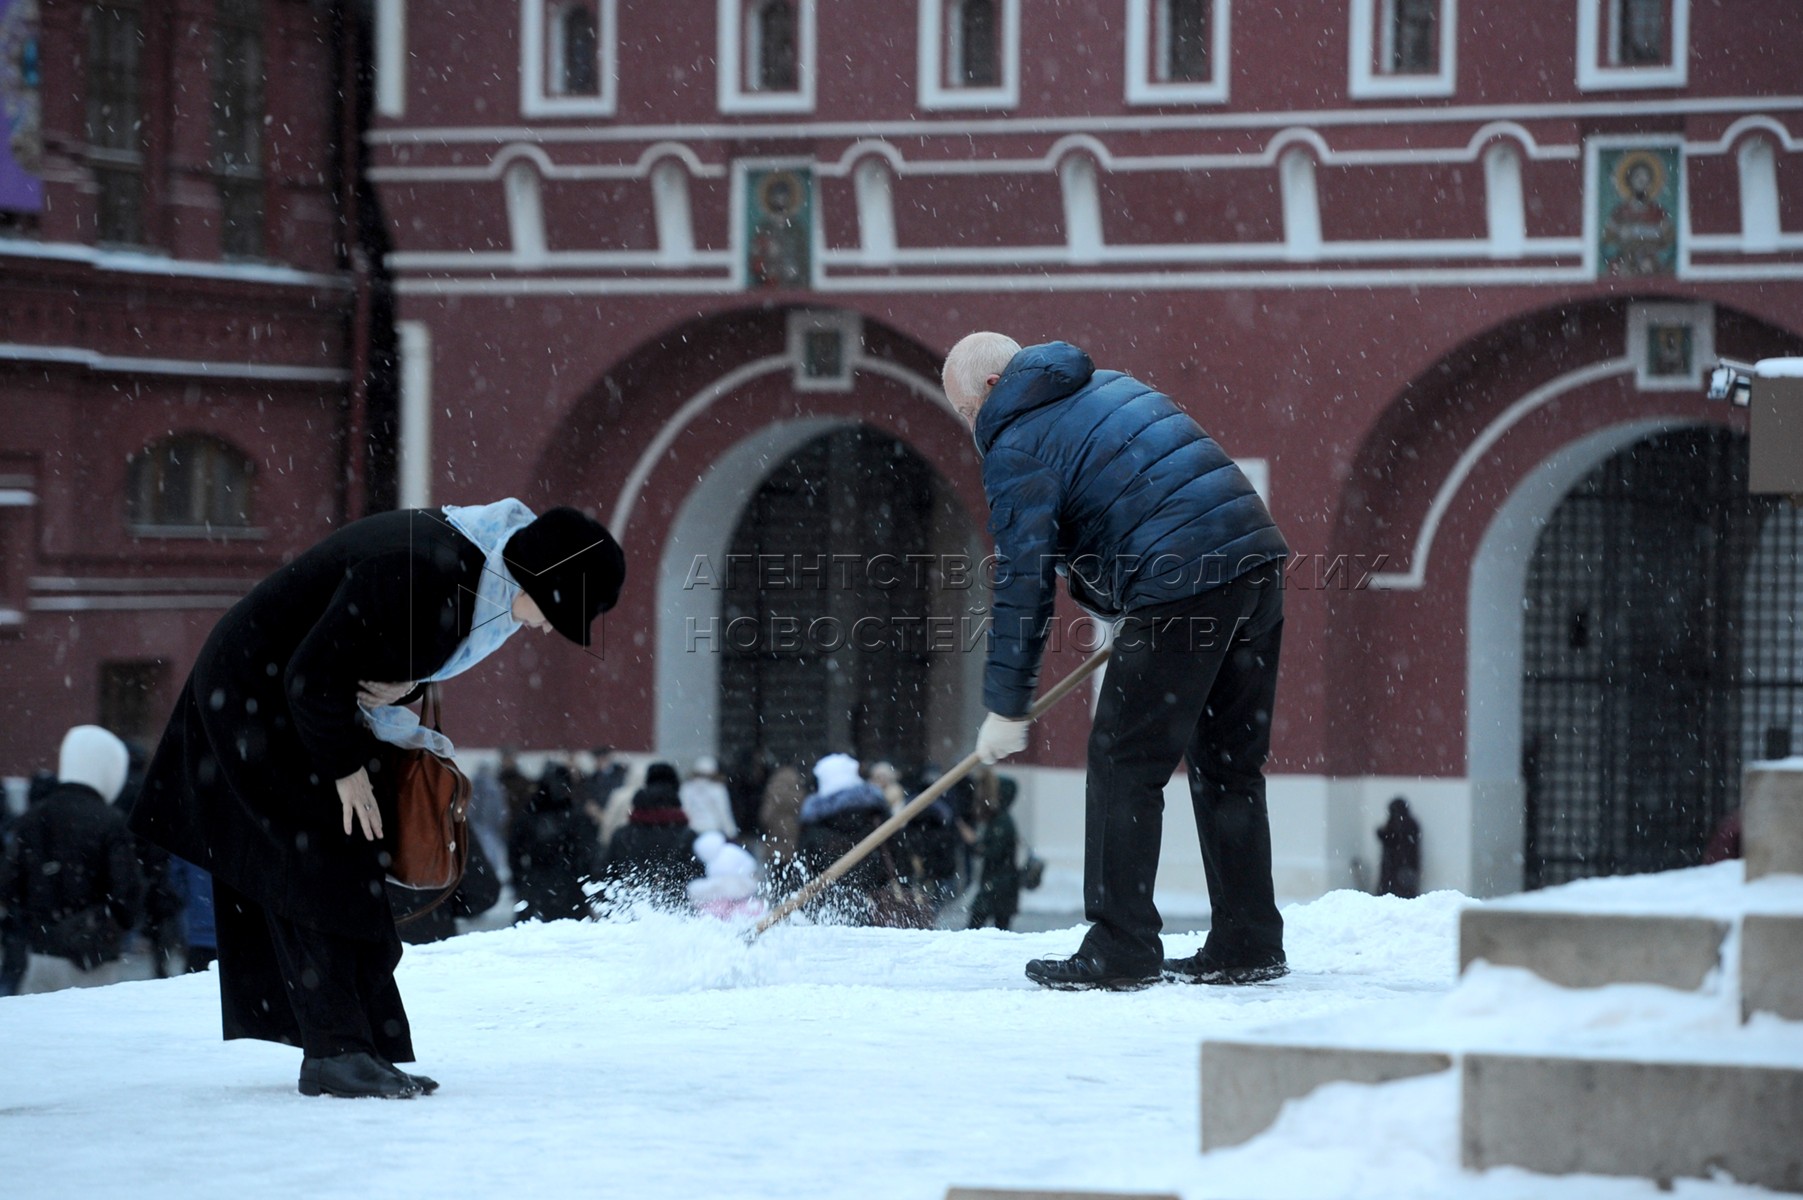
{"x": 1095, "y": 476}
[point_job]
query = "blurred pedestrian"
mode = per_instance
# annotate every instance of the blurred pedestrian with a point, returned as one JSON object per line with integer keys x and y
{"x": 779, "y": 817}
{"x": 598, "y": 785}
{"x": 653, "y": 855}
{"x": 706, "y": 801}
{"x": 998, "y": 851}
{"x": 729, "y": 886}
{"x": 551, "y": 849}
{"x": 70, "y": 876}
{"x": 1399, "y": 862}
{"x": 842, "y": 812}
{"x": 488, "y": 816}
{"x": 517, "y": 787}
{"x": 194, "y": 888}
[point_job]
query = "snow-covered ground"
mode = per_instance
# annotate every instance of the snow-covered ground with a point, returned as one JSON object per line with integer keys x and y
{"x": 665, "y": 1057}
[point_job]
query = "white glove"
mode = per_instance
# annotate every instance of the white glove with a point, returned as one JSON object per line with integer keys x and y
{"x": 1001, "y": 736}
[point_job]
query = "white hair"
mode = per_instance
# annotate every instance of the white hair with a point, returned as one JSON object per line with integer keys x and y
{"x": 972, "y": 361}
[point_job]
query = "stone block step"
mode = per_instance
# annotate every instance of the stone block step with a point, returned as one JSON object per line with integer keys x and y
{"x": 1771, "y": 818}
{"x": 1657, "y": 1120}
{"x": 962, "y": 1193}
{"x": 1771, "y": 967}
{"x": 1245, "y": 1083}
{"x": 1587, "y": 949}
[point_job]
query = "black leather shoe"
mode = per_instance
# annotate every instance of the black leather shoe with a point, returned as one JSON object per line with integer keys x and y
{"x": 357, "y": 1074}
{"x": 1202, "y": 967}
{"x": 1081, "y": 972}
{"x": 425, "y": 1083}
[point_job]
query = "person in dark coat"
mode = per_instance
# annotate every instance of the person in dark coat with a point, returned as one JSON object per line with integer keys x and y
{"x": 998, "y": 853}
{"x": 267, "y": 774}
{"x": 70, "y": 875}
{"x": 194, "y": 888}
{"x": 1399, "y": 858}
{"x": 15, "y": 951}
{"x": 551, "y": 851}
{"x": 652, "y": 856}
{"x": 1096, "y": 476}
{"x": 842, "y": 812}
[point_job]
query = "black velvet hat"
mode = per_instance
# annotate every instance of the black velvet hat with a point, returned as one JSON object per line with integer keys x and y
{"x": 571, "y": 567}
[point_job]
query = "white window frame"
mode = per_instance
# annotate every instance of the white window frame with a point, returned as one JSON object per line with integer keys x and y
{"x": 734, "y": 96}
{"x": 1700, "y": 318}
{"x": 850, "y": 328}
{"x": 935, "y": 93}
{"x": 1369, "y": 80}
{"x": 536, "y": 37}
{"x": 1594, "y": 74}
{"x": 1142, "y": 88}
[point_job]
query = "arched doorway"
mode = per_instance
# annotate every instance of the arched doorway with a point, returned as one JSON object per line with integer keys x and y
{"x": 1659, "y": 654}
{"x": 835, "y": 605}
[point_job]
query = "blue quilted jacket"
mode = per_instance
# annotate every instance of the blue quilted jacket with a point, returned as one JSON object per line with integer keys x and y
{"x": 1094, "y": 476}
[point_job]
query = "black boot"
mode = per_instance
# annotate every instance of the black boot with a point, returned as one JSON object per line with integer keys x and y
{"x": 357, "y": 1074}
{"x": 1203, "y": 967}
{"x": 1081, "y": 972}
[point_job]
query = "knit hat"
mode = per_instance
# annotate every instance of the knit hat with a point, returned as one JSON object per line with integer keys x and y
{"x": 835, "y": 773}
{"x": 661, "y": 773}
{"x": 92, "y": 756}
{"x": 707, "y": 766}
{"x": 571, "y": 567}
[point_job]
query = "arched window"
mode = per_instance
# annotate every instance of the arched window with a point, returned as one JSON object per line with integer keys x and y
{"x": 976, "y": 46}
{"x": 188, "y": 481}
{"x": 576, "y": 69}
{"x": 771, "y": 48}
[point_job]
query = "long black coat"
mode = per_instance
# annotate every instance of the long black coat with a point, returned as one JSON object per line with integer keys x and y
{"x": 70, "y": 877}
{"x": 242, "y": 783}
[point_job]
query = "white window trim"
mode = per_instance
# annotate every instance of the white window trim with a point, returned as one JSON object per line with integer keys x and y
{"x": 535, "y": 98}
{"x": 734, "y": 97}
{"x": 935, "y": 93}
{"x": 1596, "y": 75}
{"x": 1367, "y": 82}
{"x": 1701, "y": 320}
{"x": 391, "y": 58}
{"x": 1143, "y": 89}
{"x": 850, "y": 328}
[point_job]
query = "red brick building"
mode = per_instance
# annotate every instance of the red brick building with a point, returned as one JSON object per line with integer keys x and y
{"x": 176, "y": 340}
{"x": 1447, "y": 279}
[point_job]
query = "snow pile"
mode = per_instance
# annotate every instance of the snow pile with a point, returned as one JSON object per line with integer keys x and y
{"x": 666, "y": 1056}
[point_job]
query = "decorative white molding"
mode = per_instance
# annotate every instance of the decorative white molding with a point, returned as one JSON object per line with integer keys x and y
{"x": 938, "y": 94}
{"x": 670, "y": 206}
{"x": 525, "y": 214}
{"x": 1596, "y": 74}
{"x": 415, "y": 467}
{"x": 137, "y": 262}
{"x": 1505, "y": 209}
{"x": 1760, "y": 231}
{"x": 734, "y": 96}
{"x": 1301, "y": 206}
{"x": 1699, "y": 319}
{"x": 391, "y": 58}
{"x": 1082, "y": 208}
{"x": 538, "y": 39}
{"x": 1370, "y": 48}
{"x": 1415, "y": 577}
{"x": 876, "y": 211}
{"x": 94, "y": 360}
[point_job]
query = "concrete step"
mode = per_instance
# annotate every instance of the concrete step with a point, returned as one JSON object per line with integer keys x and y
{"x": 1771, "y": 818}
{"x": 1771, "y": 967}
{"x": 1245, "y": 1083}
{"x": 962, "y": 1193}
{"x": 1586, "y": 949}
{"x": 1657, "y": 1120}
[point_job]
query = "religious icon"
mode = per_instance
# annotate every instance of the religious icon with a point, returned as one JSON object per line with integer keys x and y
{"x": 1639, "y": 230}
{"x": 1668, "y": 351}
{"x": 779, "y": 228}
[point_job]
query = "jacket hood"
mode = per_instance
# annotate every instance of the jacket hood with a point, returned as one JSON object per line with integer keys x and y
{"x": 1036, "y": 377}
{"x": 94, "y": 757}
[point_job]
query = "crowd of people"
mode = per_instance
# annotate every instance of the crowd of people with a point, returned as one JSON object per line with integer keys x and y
{"x": 601, "y": 839}
{"x": 83, "y": 899}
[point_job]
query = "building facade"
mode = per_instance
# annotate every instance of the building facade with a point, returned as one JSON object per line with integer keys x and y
{"x": 177, "y": 347}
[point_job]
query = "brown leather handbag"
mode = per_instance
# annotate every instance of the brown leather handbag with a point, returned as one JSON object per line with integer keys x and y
{"x": 429, "y": 844}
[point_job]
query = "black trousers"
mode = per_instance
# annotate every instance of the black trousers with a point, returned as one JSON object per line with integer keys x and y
{"x": 1198, "y": 680}
{"x": 282, "y": 981}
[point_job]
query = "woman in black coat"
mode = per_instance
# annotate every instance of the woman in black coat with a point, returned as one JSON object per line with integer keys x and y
{"x": 264, "y": 776}
{"x": 653, "y": 855}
